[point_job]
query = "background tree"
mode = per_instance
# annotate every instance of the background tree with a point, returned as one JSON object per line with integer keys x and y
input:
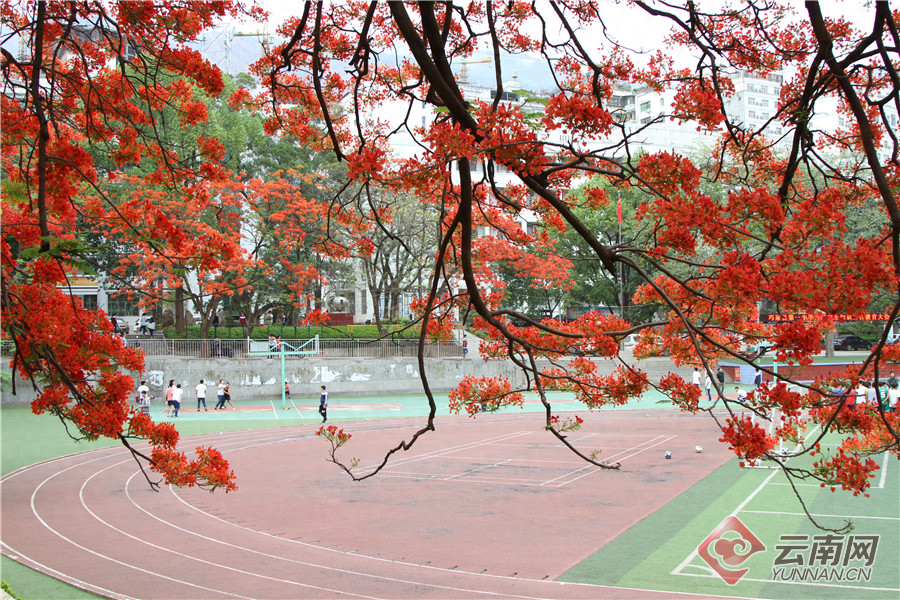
{"x": 402, "y": 240}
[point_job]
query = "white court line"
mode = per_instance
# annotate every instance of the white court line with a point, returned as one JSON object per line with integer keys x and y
{"x": 274, "y": 410}
{"x": 469, "y": 472}
{"x": 690, "y": 557}
{"x": 590, "y": 469}
{"x": 667, "y": 438}
{"x": 443, "y": 453}
{"x": 883, "y": 471}
{"x": 625, "y": 457}
{"x": 793, "y": 514}
{"x": 492, "y": 480}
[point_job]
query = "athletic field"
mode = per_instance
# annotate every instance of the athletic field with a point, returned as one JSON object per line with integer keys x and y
{"x": 490, "y": 507}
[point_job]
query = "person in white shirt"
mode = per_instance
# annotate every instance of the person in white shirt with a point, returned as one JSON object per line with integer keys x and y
{"x": 893, "y": 398}
{"x": 220, "y": 395}
{"x": 143, "y": 394}
{"x": 862, "y": 393}
{"x": 201, "y": 396}
{"x": 696, "y": 376}
{"x": 872, "y": 396}
{"x": 177, "y": 395}
{"x": 708, "y": 387}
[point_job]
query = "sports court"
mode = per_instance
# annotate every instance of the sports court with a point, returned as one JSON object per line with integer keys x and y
{"x": 493, "y": 507}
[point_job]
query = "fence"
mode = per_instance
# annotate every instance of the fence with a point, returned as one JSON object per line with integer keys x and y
{"x": 346, "y": 348}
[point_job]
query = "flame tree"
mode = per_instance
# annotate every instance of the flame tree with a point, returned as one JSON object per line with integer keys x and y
{"x": 773, "y": 231}
{"x": 762, "y": 218}
{"x": 96, "y": 79}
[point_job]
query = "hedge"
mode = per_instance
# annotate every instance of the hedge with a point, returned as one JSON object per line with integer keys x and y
{"x": 362, "y": 332}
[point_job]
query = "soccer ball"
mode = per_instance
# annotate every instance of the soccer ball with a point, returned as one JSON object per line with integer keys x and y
{"x": 698, "y": 449}
{"x": 668, "y": 455}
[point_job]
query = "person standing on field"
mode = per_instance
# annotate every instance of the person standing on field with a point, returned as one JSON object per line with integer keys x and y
{"x": 220, "y": 395}
{"x": 323, "y": 404}
{"x": 143, "y": 394}
{"x": 227, "y": 395}
{"x": 169, "y": 404}
{"x": 201, "y": 396}
{"x": 177, "y": 395}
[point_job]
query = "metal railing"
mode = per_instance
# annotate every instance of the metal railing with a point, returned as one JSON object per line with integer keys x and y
{"x": 346, "y": 348}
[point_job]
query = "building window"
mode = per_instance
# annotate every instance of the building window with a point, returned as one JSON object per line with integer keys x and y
{"x": 89, "y": 301}
{"x": 645, "y": 106}
{"x": 122, "y": 306}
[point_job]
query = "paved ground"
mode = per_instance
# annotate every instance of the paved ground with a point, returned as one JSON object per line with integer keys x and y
{"x": 490, "y": 508}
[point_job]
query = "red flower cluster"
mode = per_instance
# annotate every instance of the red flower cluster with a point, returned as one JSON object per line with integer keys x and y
{"x": 483, "y": 394}
{"x": 748, "y": 440}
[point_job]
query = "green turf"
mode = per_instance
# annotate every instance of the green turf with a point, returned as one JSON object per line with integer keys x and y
{"x": 31, "y": 585}
{"x": 648, "y": 554}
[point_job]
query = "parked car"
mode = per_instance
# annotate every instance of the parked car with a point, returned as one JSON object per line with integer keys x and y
{"x": 851, "y": 342}
{"x": 630, "y": 342}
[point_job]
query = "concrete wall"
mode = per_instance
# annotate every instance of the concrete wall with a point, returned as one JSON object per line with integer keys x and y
{"x": 260, "y": 377}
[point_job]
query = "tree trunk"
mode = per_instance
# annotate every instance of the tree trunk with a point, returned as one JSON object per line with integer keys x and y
{"x": 829, "y": 342}
{"x": 180, "y": 325}
{"x": 376, "y": 310}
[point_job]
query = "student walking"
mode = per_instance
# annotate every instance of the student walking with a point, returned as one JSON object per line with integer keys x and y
{"x": 323, "y": 404}
{"x": 201, "y": 396}
{"x": 168, "y": 409}
{"x": 143, "y": 394}
{"x": 177, "y": 395}
{"x": 227, "y": 395}
{"x": 220, "y": 395}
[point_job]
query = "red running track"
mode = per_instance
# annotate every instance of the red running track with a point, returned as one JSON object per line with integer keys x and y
{"x": 491, "y": 508}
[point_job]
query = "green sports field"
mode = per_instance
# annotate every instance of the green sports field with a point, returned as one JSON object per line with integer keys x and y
{"x": 658, "y": 553}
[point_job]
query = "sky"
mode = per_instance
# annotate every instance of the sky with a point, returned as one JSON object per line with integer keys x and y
{"x": 631, "y": 26}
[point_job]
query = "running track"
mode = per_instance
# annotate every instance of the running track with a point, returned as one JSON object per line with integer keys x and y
{"x": 492, "y": 508}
